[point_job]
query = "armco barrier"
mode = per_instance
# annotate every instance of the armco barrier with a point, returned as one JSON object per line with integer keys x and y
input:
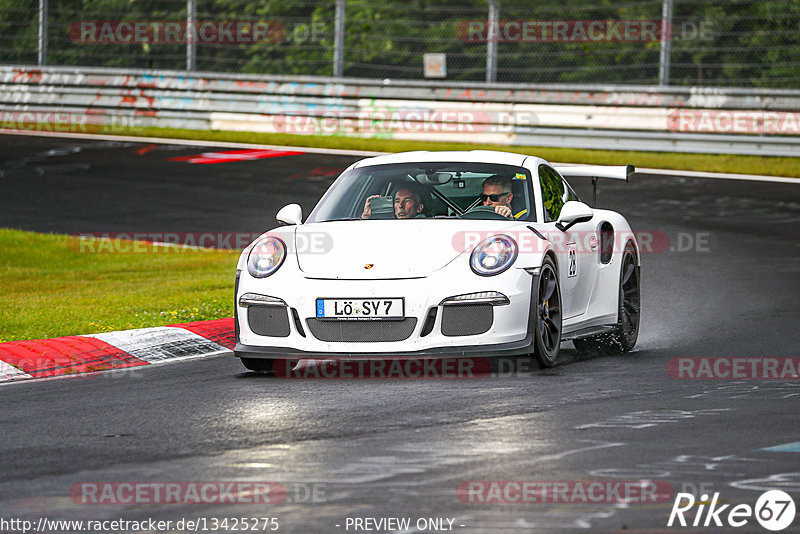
{"x": 737, "y": 121}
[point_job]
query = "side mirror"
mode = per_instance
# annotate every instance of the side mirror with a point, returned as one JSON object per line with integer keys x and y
{"x": 290, "y": 214}
{"x": 573, "y": 212}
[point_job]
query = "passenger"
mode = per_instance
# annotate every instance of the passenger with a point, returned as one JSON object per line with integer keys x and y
{"x": 407, "y": 204}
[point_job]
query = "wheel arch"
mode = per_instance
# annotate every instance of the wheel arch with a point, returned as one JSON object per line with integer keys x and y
{"x": 549, "y": 253}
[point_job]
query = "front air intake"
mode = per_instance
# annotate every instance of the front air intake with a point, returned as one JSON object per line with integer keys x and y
{"x": 272, "y": 321}
{"x": 467, "y": 319}
{"x": 362, "y": 331}
{"x": 427, "y": 328}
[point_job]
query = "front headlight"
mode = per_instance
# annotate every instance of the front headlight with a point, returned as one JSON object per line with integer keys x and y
{"x": 266, "y": 257}
{"x": 493, "y": 256}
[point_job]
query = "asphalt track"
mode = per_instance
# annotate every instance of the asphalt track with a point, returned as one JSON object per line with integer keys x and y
{"x": 726, "y": 286}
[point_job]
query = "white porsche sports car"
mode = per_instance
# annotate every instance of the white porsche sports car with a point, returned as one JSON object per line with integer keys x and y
{"x": 441, "y": 254}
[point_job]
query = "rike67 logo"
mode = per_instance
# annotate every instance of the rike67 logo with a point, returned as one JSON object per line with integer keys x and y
{"x": 774, "y": 510}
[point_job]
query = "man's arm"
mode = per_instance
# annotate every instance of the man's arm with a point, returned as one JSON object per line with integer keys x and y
{"x": 367, "y": 213}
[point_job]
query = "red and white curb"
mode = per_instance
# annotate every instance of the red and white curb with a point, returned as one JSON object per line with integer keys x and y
{"x": 235, "y": 155}
{"x": 41, "y": 358}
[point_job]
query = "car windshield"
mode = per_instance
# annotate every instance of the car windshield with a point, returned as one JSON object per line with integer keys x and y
{"x": 427, "y": 190}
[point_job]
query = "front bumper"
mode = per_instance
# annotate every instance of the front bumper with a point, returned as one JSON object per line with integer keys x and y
{"x": 514, "y": 348}
{"x": 509, "y": 332}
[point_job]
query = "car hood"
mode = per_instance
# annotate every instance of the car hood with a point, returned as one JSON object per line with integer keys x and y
{"x": 369, "y": 250}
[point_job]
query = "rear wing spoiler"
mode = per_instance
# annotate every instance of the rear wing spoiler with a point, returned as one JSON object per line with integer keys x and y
{"x": 595, "y": 172}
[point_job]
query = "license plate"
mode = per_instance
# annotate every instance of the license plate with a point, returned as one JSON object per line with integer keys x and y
{"x": 368, "y": 308}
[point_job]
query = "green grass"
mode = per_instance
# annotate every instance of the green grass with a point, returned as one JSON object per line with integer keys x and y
{"x": 774, "y": 166}
{"x": 52, "y": 286}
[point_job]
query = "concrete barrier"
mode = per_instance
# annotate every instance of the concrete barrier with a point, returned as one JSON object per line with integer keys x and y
{"x": 737, "y": 121}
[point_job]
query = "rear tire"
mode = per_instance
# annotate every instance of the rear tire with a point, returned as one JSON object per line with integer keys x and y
{"x": 626, "y": 332}
{"x": 546, "y": 306}
{"x": 258, "y": 365}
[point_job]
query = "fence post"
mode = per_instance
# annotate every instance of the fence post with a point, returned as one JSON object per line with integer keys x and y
{"x": 42, "y": 32}
{"x": 492, "y": 33}
{"x": 666, "y": 38}
{"x": 191, "y": 45}
{"x": 338, "y": 40}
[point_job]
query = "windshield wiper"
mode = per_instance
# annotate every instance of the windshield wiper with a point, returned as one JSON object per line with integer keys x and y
{"x": 345, "y": 219}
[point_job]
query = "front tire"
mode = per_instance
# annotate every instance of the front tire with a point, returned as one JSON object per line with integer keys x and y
{"x": 626, "y": 332}
{"x": 547, "y": 319}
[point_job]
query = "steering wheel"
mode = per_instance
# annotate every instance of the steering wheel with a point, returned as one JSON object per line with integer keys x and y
{"x": 483, "y": 212}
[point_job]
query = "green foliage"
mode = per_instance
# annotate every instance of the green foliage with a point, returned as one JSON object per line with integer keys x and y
{"x": 752, "y": 43}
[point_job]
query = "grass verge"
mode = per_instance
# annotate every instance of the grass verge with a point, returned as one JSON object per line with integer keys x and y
{"x": 774, "y": 166}
{"x": 56, "y": 285}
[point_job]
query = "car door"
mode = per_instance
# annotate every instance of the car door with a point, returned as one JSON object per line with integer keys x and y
{"x": 576, "y": 261}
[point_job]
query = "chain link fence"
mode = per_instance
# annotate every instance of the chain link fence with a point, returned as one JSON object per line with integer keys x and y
{"x": 743, "y": 43}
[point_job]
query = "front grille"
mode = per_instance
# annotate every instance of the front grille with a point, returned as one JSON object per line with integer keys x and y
{"x": 362, "y": 331}
{"x": 270, "y": 321}
{"x": 466, "y": 319}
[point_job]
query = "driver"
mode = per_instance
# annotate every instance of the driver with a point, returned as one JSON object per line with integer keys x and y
{"x": 407, "y": 203}
{"x": 497, "y": 193}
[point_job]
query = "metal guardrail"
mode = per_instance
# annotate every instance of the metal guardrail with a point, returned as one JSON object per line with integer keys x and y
{"x": 743, "y": 145}
{"x": 671, "y": 119}
{"x": 600, "y": 94}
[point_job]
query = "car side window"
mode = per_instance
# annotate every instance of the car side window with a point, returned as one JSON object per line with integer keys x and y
{"x": 554, "y": 192}
{"x": 570, "y": 192}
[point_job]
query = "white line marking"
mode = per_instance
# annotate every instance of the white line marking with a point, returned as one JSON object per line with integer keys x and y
{"x": 366, "y": 153}
{"x": 789, "y": 482}
{"x": 9, "y": 372}
{"x": 603, "y": 445}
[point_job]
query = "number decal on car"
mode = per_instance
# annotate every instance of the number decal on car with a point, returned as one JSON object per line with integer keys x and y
{"x": 572, "y": 249}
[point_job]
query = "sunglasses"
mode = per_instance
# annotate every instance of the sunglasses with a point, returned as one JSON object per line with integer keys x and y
{"x": 493, "y": 198}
